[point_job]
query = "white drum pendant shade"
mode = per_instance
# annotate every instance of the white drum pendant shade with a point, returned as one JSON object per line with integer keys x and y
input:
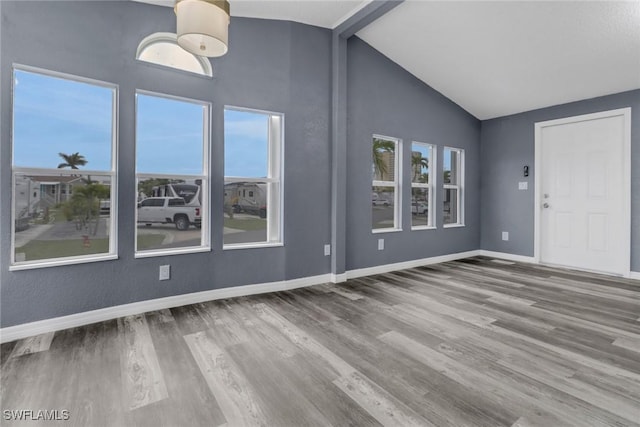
{"x": 203, "y": 26}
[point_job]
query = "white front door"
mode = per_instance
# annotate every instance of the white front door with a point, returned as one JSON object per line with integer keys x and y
{"x": 583, "y": 192}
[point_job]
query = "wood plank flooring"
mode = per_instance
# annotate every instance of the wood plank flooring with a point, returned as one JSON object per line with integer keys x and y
{"x": 476, "y": 342}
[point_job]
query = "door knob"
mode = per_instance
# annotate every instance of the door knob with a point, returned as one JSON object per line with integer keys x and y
{"x": 546, "y": 206}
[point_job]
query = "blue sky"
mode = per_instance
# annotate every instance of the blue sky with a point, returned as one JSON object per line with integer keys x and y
{"x": 54, "y": 115}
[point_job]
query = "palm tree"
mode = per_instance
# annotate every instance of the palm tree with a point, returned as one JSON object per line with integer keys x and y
{"x": 72, "y": 160}
{"x": 417, "y": 164}
{"x": 84, "y": 205}
{"x": 380, "y": 146}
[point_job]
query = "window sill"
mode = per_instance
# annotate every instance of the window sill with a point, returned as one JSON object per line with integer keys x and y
{"x": 386, "y": 230}
{"x": 168, "y": 252}
{"x": 31, "y": 265}
{"x": 251, "y": 246}
{"x": 425, "y": 227}
{"x": 453, "y": 226}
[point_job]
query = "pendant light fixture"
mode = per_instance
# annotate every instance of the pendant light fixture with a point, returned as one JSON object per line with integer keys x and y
{"x": 203, "y": 26}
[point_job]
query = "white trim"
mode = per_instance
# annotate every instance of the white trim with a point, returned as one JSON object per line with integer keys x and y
{"x": 205, "y": 213}
{"x": 459, "y": 186}
{"x": 385, "y": 230}
{"x": 112, "y": 173}
{"x": 57, "y": 262}
{"x": 25, "y": 330}
{"x": 61, "y": 75}
{"x": 396, "y": 183}
{"x": 423, "y": 227}
{"x": 171, "y": 251}
{"x": 508, "y": 257}
{"x": 274, "y": 181}
{"x": 339, "y": 278}
{"x": 430, "y": 185}
{"x": 12, "y": 333}
{"x": 456, "y": 225}
{"x": 235, "y": 246}
{"x": 379, "y": 269}
{"x": 626, "y": 170}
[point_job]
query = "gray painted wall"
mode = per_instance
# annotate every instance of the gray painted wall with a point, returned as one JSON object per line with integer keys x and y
{"x": 272, "y": 65}
{"x": 284, "y": 67}
{"x": 385, "y": 99}
{"x": 507, "y": 144}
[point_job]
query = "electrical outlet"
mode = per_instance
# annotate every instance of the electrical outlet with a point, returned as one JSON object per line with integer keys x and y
{"x": 327, "y": 250}
{"x": 523, "y": 185}
{"x": 165, "y": 272}
{"x": 380, "y": 244}
{"x": 505, "y": 235}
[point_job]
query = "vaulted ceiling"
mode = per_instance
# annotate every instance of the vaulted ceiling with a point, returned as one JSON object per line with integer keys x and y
{"x": 492, "y": 58}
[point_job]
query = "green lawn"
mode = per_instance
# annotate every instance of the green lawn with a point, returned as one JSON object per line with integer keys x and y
{"x": 150, "y": 241}
{"x": 46, "y": 249}
{"x": 246, "y": 224}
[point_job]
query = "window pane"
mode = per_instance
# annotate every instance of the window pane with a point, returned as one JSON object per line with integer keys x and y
{"x": 420, "y": 161}
{"x": 451, "y": 162}
{"x": 61, "y": 215}
{"x": 165, "y": 218}
{"x": 450, "y": 206}
{"x": 382, "y": 209}
{"x": 419, "y": 207}
{"x": 245, "y": 212}
{"x": 246, "y": 143}
{"x": 169, "y": 136}
{"x": 60, "y": 123}
{"x": 384, "y": 160}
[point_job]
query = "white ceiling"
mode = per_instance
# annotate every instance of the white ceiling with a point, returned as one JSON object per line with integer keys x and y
{"x": 321, "y": 13}
{"x": 501, "y": 58}
{"x": 492, "y": 58}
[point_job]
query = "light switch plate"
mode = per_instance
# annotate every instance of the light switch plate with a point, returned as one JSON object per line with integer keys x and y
{"x": 505, "y": 235}
{"x": 165, "y": 272}
{"x": 380, "y": 244}
{"x": 524, "y": 185}
{"x": 327, "y": 250}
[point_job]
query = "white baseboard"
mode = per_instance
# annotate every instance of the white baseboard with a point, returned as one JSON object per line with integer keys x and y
{"x": 634, "y": 275}
{"x": 379, "y": 269}
{"x": 25, "y": 330}
{"x": 338, "y": 278}
{"x": 12, "y": 333}
{"x": 507, "y": 256}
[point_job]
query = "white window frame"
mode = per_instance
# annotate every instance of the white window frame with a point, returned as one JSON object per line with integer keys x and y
{"x": 396, "y": 184}
{"x": 459, "y": 186}
{"x": 112, "y": 173}
{"x": 431, "y": 185}
{"x": 205, "y": 213}
{"x": 275, "y": 166}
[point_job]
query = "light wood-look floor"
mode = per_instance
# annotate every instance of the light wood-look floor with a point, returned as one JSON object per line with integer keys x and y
{"x": 478, "y": 342}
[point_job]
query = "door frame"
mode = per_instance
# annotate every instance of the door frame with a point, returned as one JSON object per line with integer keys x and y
{"x": 626, "y": 177}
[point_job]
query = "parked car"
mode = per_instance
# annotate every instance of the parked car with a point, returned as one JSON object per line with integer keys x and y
{"x": 418, "y": 208}
{"x": 169, "y": 210}
{"x": 380, "y": 202}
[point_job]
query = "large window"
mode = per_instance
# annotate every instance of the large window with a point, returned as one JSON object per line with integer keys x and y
{"x": 64, "y": 165}
{"x": 453, "y": 180}
{"x": 172, "y": 164}
{"x": 422, "y": 163}
{"x": 252, "y": 185}
{"x": 385, "y": 191}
